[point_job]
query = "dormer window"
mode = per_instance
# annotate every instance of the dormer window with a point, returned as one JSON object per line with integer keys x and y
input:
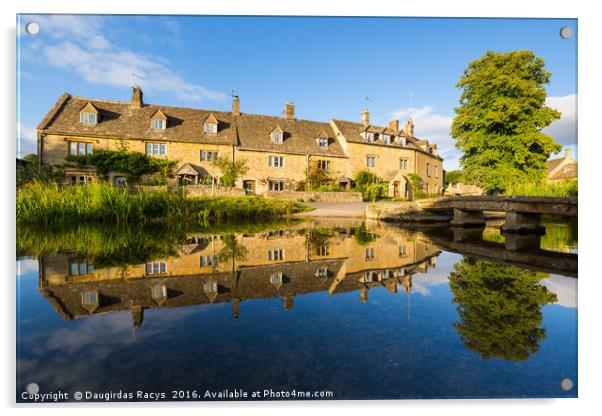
{"x": 369, "y": 136}
{"x": 88, "y": 114}
{"x": 402, "y": 141}
{"x": 386, "y": 139}
{"x": 277, "y": 135}
{"x": 159, "y": 121}
{"x": 323, "y": 142}
{"x": 210, "y": 128}
{"x": 210, "y": 125}
{"x": 87, "y": 118}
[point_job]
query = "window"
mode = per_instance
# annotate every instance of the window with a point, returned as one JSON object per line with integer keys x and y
{"x": 436, "y": 171}
{"x": 276, "y": 161}
{"x": 402, "y": 140}
{"x": 386, "y": 139}
{"x": 369, "y": 253}
{"x": 158, "y": 124}
{"x": 322, "y": 272}
{"x": 403, "y": 251}
{"x": 403, "y": 164}
{"x": 371, "y": 161}
{"x": 276, "y": 278}
{"x": 210, "y": 128}
{"x": 323, "y": 142}
{"x": 156, "y": 267}
{"x": 323, "y": 250}
{"x": 80, "y": 148}
{"x": 156, "y": 149}
{"x": 210, "y": 287}
{"x": 277, "y": 137}
{"x": 428, "y": 169}
{"x": 370, "y": 277}
{"x": 159, "y": 292}
{"x": 209, "y": 260}
{"x": 276, "y": 186}
{"x": 90, "y": 298}
{"x": 369, "y": 137}
{"x": 324, "y": 165}
{"x": 208, "y": 156}
{"x": 276, "y": 255}
{"x": 87, "y": 118}
{"x": 80, "y": 179}
{"x": 81, "y": 268}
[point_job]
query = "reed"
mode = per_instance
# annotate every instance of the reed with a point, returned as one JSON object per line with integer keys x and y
{"x": 566, "y": 188}
{"x": 42, "y": 203}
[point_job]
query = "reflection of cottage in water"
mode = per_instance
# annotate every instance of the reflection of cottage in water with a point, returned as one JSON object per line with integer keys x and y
{"x": 215, "y": 269}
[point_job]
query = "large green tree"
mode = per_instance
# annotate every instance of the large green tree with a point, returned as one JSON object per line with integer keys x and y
{"x": 499, "y": 121}
{"x": 499, "y": 308}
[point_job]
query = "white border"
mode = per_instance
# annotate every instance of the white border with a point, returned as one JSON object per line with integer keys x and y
{"x": 590, "y": 151}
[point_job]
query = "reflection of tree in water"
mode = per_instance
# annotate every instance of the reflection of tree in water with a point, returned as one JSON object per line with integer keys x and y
{"x": 232, "y": 250}
{"x": 499, "y": 308}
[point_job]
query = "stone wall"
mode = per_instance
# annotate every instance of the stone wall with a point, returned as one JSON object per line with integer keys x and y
{"x": 317, "y": 196}
{"x": 402, "y": 212}
{"x": 200, "y": 190}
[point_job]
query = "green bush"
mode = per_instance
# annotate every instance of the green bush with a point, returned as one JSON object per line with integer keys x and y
{"x": 376, "y": 191}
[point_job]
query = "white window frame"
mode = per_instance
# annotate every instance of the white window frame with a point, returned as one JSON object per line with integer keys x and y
{"x": 276, "y": 161}
{"x": 403, "y": 164}
{"x": 276, "y": 254}
{"x": 156, "y": 149}
{"x": 276, "y": 186}
{"x": 323, "y": 142}
{"x": 158, "y": 124}
{"x": 210, "y": 128}
{"x": 208, "y": 155}
{"x": 80, "y": 148}
{"x": 277, "y": 137}
{"x": 86, "y": 117}
{"x": 324, "y": 165}
{"x": 369, "y": 136}
{"x": 386, "y": 138}
{"x": 370, "y": 158}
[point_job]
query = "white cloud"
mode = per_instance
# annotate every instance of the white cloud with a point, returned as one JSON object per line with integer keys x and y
{"x": 26, "y": 140}
{"x": 435, "y": 128}
{"x": 564, "y": 131}
{"x": 78, "y": 44}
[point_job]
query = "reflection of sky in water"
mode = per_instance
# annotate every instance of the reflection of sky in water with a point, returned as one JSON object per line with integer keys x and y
{"x": 394, "y": 346}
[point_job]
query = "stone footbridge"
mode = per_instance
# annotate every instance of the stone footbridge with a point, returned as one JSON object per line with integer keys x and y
{"x": 523, "y": 213}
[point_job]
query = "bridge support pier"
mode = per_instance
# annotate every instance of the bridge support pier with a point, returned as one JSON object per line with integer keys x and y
{"x": 517, "y": 241}
{"x": 462, "y": 234}
{"x": 467, "y": 218}
{"x": 521, "y": 222}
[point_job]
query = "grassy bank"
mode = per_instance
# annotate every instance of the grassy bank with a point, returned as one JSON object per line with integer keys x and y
{"x": 48, "y": 204}
{"x": 559, "y": 189}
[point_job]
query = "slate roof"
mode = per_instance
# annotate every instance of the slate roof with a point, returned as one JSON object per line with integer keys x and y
{"x": 352, "y": 130}
{"x": 116, "y": 119}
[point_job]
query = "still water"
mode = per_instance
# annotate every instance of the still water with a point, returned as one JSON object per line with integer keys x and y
{"x": 350, "y": 310}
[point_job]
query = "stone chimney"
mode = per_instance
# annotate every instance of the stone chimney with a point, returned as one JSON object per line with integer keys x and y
{"x": 137, "y": 97}
{"x": 408, "y": 129}
{"x": 289, "y": 111}
{"x": 394, "y": 125}
{"x": 567, "y": 153}
{"x": 236, "y": 106}
{"x": 366, "y": 117}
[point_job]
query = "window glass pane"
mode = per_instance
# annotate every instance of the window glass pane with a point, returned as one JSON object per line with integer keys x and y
{"x": 149, "y": 149}
{"x": 81, "y": 148}
{"x": 73, "y": 148}
{"x": 149, "y": 268}
{"x": 163, "y": 149}
{"x": 155, "y": 149}
{"x": 163, "y": 267}
{"x": 89, "y": 148}
{"x": 74, "y": 269}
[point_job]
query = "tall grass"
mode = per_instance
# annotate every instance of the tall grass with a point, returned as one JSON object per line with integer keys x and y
{"x": 48, "y": 204}
{"x": 566, "y": 188}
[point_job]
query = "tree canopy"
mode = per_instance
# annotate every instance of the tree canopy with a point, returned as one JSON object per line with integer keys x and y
{"x": 499, "y": 308}
{"x": 499, "y": 121}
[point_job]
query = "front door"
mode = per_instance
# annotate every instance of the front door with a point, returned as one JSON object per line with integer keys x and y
{"x": 396, "y": 189}
{"x": 249, "y": 186}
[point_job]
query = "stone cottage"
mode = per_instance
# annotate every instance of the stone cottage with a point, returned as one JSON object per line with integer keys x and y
{"x": 279, "y": 151}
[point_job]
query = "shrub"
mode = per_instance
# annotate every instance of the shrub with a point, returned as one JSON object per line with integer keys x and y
{"x": 565, "y": 188}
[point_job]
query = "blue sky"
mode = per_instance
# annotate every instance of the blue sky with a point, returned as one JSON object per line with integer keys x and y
{"x": 408, "y": 67}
